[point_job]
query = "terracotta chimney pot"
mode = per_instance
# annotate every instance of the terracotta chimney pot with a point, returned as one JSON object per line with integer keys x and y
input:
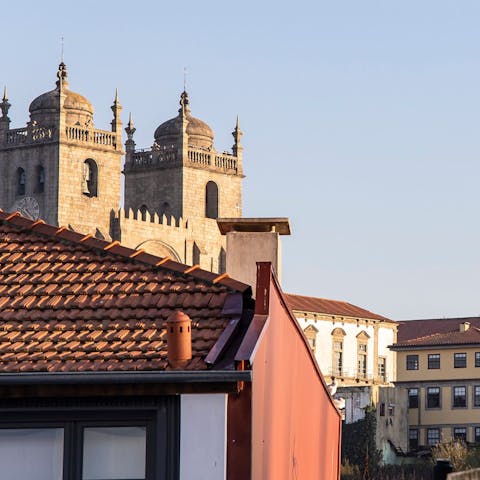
{"x": 179, "y": 340}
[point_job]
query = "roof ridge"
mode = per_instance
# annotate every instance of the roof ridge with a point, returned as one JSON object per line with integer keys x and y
{"x": 39, "y": 227}
{"x": 323, "y": 298}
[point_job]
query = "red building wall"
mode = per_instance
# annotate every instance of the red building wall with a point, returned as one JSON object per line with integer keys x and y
{"x": 296, "y": 427}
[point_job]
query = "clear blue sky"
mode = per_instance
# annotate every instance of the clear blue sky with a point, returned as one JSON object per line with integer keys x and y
{"x": 360, "y": 122}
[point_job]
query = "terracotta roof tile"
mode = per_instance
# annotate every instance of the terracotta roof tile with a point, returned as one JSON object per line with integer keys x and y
{"x": 70, "y": 305}
{"x": 438, "y": 331}
{"x": 301, "y": 303}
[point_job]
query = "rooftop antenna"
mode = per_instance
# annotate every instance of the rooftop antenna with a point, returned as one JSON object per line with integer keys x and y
{"x": 184, "y": 79}
{"x": 62, "y": 50}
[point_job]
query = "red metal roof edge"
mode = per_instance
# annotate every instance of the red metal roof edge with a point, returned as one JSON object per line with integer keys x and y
{"x": 117, "y": 249}
{"x": 265, "y": 276}
{"x": 375, "y": 316}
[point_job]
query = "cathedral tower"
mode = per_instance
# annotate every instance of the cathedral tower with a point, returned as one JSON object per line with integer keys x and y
{"x": 59, "y": 167}
{"x": 183, "y": 175}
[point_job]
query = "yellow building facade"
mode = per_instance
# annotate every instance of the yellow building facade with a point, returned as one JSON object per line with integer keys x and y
{"x": 438, "y": 364}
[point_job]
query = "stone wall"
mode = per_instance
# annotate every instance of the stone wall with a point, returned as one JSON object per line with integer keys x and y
{"x": 467, "y": 475}
{"x": 88, "y": 214}
{"x": 193, "y": 241}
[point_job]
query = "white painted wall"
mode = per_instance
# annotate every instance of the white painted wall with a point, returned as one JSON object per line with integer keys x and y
{"x": 323, "y": 351}
{"x": 203, "y": 436}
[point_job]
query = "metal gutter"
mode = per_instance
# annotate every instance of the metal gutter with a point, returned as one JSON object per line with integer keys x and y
{"x": 62, "y": 378}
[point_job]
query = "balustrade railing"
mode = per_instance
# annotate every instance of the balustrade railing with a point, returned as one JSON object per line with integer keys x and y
{"x": 158, "y": 157}
{"x": 98, "y": 137}
{"x": 226, "y": 162}
{"x": 350, "y": 373}
{"x": 199, "y": 156}
{"x": 27, "y": 135}
{"x": 152, "y": 158}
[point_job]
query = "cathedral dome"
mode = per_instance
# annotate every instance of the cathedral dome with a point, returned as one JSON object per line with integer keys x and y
{"x": 49, "y": 101}
{"x": 78, "y": 108}
{"x": 199, "y": 133}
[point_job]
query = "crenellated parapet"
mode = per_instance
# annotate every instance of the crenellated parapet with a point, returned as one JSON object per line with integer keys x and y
{"x": 192, "y": 241}
{"x": 152, "y": 217}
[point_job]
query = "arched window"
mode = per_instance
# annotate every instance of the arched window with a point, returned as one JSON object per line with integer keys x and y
{"x": 40, "y": 187}
{"x": 20, "y": 181}
{"x": 338, "y": 335}
{"x": 89, "y": 178}
{"x": 211, "y": 200}
{"x": 143, "y": 212}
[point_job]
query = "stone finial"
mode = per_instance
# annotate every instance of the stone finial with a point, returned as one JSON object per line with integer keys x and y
{"x": 184, "y": 104}
{"x": 116, "y": 109}
{"x": 129, "y": 143}
{"x": 179, "y": 340}
{"x": 130, "y": 129}
{"x": 237, "y": 136}
{"x": 62, "y": 75}
{"x": 5, "y": 105}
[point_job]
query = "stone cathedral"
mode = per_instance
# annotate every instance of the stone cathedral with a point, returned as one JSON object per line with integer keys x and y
{"x": 62, "y": 169}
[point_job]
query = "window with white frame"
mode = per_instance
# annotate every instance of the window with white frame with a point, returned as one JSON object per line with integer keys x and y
{"x": 362, "y": 354}
{"x": 338, "y": 335}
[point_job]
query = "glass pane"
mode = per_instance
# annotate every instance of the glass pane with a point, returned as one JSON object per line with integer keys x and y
{"x": 114, "y": 453}
{"x": 35, "y": 453}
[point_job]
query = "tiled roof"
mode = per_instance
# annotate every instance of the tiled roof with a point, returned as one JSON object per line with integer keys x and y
{"x": 469, "y": 337}
{"x": 330, "y": 307}
{"x": 71, "y": 303}
{"x": 438, "y": 331}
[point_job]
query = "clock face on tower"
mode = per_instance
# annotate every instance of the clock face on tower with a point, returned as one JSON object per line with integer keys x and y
{"x": 28, "y": 207}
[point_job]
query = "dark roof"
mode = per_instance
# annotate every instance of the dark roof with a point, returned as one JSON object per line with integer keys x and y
{"x": 438, "y": 331}
{"x": 330, "y": 307}
{"x": 71, "y": 303}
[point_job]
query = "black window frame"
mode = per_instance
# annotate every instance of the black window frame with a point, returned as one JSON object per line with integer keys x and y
{"x": 413, "y": 436}
{"x": 459, "y": 400}
{"x": 429, "y": 436}
{"x": 433, "y": 361}
{"x": 412, "y": 362}
{"x": 456, "y": 435}
{"x": 160, "y": 416}
{"x": 460, "y": 360}
{"x": 476, "y": 434}
{"x": 476, "y": 396}
{"x": 430, "y": 402}
{"x": 477, "y": 359}
{"x": 413, "y": 399}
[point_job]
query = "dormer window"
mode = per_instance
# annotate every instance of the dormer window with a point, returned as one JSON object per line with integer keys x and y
{"x": 20, "y": 181}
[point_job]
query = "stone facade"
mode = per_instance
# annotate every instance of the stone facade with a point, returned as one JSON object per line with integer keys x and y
{"x": 63, "y": 170}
